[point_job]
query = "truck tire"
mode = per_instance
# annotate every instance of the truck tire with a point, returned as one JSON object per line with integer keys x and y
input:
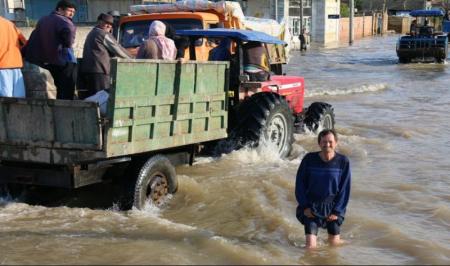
{"x": 319, "y": 116}
{"x": 266, "y": 118}
{"x": 156, "y": 179}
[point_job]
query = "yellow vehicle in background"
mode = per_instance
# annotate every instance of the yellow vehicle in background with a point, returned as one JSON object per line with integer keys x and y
{"x": 186, "y": 15}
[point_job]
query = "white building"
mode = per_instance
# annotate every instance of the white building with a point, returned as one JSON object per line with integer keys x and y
{"x": 320, "y": 17}
{"x": 12, "y": 9}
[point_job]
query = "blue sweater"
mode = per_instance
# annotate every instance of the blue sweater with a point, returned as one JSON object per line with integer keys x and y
{"x": 323, "y": 186}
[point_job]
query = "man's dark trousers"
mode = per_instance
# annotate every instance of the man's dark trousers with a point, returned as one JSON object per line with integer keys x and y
{"x": 65, "y": 78}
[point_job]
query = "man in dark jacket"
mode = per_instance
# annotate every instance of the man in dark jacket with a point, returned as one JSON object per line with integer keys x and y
{"x": 50, "y": 47}
{"x": 100, "y": 46}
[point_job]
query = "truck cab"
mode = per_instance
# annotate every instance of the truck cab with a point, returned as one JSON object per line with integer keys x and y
{"x": 133, "y": 28}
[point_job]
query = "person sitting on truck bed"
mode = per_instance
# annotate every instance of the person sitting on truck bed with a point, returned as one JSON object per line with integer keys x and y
{"x": 99, "y": 47}
{"x": 256, "y": 61}
{"x": 157, "y": 46}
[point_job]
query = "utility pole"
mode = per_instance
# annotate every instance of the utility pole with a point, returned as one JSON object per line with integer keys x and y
{"x": 301, "y": 16}
{"x": 4, "y": 10}
{"x": 276, "y": 10}
{"x": 352, "y": 14}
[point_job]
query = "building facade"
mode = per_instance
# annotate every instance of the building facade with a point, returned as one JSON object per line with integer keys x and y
{"x": 320, "y": 18}
{"x": 300, "y": 16}
{"x": 12, "y": 9}
{"x": 87, "y": 10}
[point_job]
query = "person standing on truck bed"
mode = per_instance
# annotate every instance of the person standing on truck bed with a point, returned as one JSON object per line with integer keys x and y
{"x": 322, "y": 190}
{"x": 50, "y": 47}
{"x": 11, "y": 79}
{"x": 157, "y": 46}
{"x": 100, "y": 46}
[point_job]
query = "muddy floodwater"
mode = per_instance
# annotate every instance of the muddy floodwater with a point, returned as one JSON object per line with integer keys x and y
{"x": 393, "y": 121}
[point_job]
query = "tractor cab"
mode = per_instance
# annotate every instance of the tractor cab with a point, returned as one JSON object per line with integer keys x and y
{"x": 242, "y": 83}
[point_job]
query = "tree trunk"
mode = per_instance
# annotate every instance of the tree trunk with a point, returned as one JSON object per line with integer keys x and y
{"x": 383, "y": 16}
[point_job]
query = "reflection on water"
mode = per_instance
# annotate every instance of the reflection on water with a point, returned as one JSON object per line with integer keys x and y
{"x": 240, "y": 208}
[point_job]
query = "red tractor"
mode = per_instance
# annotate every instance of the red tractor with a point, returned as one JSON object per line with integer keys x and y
{"x": 268, "y": 111}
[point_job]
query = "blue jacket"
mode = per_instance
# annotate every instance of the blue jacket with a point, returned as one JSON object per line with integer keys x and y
{"x": 323, "y": 186}
{"x": 51, "y": 42}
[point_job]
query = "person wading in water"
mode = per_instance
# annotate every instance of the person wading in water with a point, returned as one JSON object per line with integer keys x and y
{"x": 322, "y": 190}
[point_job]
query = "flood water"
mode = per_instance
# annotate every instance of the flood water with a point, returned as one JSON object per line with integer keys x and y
{"x": 240, "y": 209}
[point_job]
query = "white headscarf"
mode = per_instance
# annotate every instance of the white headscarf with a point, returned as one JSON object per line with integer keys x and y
{"x": 156, "y": 32}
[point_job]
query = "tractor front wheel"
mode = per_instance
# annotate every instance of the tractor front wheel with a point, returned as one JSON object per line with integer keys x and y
{"x": 319, "y": 116}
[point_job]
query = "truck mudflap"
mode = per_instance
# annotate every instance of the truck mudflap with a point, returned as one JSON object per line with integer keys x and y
{"x": 60, "y": 130}
{"x": 63, "y": 176}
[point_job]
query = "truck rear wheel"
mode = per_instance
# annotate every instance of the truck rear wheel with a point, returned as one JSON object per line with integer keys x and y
{"x": 266, "y": 118}
{"x": 319, "y": 116}
{"x": 156, "y": 179}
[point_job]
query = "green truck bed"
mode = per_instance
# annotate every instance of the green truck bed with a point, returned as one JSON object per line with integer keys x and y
{"x": 153, "y": 105}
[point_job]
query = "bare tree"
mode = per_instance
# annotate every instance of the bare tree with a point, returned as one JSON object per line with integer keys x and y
{"x": 383, "y": 15}
{"x": 405, "y": 2}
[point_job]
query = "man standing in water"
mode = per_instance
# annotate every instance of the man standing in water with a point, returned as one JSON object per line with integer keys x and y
{"x": 322, "y": 190}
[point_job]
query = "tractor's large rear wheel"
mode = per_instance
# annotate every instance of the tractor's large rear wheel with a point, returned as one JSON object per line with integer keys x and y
{"x": 319, "y": 116}
{"x": 266, "y": 119}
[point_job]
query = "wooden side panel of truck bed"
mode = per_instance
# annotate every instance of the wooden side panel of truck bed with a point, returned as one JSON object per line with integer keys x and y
{"x": 153, "y": 105}
{"x": 49, "y": 131}
{"x": 163, "y": 104}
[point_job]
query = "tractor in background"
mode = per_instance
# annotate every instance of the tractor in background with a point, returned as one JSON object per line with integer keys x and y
{"x": 426, "y": 40}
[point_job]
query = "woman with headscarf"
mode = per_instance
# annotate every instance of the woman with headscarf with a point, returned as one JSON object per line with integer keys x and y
{"x": 157, "y": 46}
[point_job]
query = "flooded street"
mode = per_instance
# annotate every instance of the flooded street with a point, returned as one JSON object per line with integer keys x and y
{"x": 240, "y": 209}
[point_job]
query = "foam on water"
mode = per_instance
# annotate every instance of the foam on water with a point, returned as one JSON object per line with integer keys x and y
{"x": 346, "y": 91}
